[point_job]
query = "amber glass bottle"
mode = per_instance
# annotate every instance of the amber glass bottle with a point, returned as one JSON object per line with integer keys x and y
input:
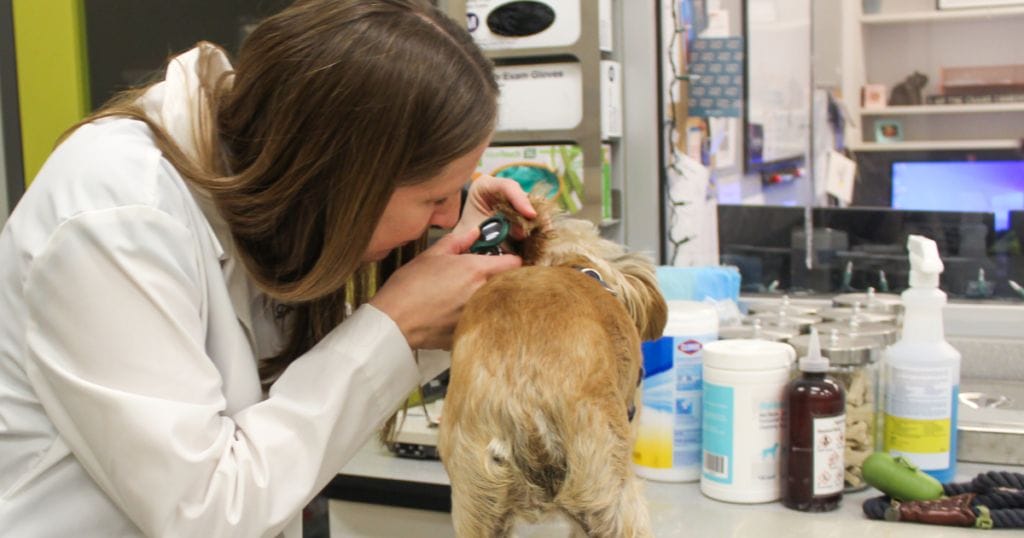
{"x": 814, "y": 438}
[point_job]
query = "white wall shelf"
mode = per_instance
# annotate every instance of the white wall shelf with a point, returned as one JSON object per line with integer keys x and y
{"x": 884, "y": 48}
{"x": 926, "y": 145}
{"x": 942, "y": 16}
{"x": 943, "y": 109}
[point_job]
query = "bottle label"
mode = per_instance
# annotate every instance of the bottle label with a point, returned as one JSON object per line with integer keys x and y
{"x": 669, "y": 433}
{"x": 829, "y": 444}
{"x": 918, "y": 411}
{"x": 742, "y": 428}
{"x": 718, "y": 426}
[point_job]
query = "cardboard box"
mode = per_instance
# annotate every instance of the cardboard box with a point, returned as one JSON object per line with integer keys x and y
{"x": 509, "y": 25}
{"x": 546, "y": 97}
{"x": 982, "y": 80}
{"x": 559, "y": 167}
{"x": 504, "y": 24}
{"x": 540, "y": 97}
{"x": 606, "y": 29}
{"x": 611, "y": 99}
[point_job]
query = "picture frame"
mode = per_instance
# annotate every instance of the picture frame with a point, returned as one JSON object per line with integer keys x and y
{"x": 888, "y": 131}
{"x": 873, "y": 96}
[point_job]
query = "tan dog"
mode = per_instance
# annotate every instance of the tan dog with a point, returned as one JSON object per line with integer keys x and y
{"x": 544, "y": 380}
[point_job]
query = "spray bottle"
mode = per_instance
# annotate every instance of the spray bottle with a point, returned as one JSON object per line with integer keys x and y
{"x": 814, "y": 438}
{"x": 922, "y": 373}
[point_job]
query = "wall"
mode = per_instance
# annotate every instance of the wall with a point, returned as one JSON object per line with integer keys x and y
{"x": 4, "y": 202}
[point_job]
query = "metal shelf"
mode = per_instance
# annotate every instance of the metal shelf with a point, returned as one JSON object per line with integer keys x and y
{"x": 937, "y": 145}
{"x": 941, "y": 16}
{"x": 985, "y": 108}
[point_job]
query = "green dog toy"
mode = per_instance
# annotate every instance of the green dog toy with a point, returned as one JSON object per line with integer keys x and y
{"x": 900, "y": 479}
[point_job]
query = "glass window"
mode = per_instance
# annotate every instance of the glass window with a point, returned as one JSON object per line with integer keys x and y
{"x": 863, "y": 122}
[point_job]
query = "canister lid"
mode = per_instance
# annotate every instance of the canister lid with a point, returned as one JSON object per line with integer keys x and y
{"x": 689, "y": 317}
{"x": 748, "y": 355}
{"x": 783, "y": 305}
{"x": 871, "y": 301}
{"x": 757, "y": 331}
{"x": 843, "y": 313}
{"x": 883, "y": 333}
{"x": 840, "y": 349}
{"x": 783, "y": 319}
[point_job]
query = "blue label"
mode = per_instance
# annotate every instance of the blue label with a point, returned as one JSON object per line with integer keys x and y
{"x": 657, "y": 356}
{"x": 673, "y": 384}
{"x": 949, "y": 473}
{"x": 717, "y": 433}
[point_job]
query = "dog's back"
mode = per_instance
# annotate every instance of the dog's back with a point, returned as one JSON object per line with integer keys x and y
{"x": 544, "y": 371}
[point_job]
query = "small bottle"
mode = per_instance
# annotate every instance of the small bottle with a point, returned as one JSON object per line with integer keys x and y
{"x": 814, "y": 438}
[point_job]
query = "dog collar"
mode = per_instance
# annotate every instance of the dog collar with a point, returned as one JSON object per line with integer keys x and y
{"x": 593, "y": 273}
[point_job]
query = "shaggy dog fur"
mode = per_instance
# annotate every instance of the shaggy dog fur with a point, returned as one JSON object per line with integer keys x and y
{"x": 545, "y": 368}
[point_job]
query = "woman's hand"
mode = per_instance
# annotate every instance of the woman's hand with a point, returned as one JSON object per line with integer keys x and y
{"x": 425, "y": 296}
{"x": 487, "y": 191}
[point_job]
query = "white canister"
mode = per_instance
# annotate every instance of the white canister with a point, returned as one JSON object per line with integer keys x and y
{"x": 744, "y": 382}
{"x": 668, "y": 446}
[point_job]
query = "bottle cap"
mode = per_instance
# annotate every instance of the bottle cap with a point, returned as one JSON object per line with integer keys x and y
{"x": 814, "y": 361}
{"x": 925, "y": 264}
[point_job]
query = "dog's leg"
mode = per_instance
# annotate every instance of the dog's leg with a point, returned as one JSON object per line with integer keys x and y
{"x": 481, "y": 490}
{"x": 476, "y": 516}
{"x": 601, "y": 491}
{"x": 605, "y": 517}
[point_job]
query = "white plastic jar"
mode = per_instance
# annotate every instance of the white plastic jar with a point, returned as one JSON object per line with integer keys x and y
{"x": 668, "y": 446}
{"x": 744, "y": 382}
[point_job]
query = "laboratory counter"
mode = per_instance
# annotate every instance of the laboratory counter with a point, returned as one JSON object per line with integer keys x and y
{"x": 380, "y": 495}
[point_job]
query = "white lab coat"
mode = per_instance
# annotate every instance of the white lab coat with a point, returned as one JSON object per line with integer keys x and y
{"x": 129, "y": 398}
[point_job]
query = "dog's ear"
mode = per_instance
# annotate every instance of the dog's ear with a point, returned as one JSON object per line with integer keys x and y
{"x": 642, "y": 296}
{"x": 537, "y": 231}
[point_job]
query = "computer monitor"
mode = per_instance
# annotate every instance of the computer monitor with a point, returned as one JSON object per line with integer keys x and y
{"x": 995, "y": 186}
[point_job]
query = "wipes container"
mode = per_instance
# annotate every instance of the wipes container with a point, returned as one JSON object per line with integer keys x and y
{"x": 744, "y": 382}
{"x": 668, "y": 445}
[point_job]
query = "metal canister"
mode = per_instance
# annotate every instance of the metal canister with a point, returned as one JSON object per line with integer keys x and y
{"x": 852, "y": 362}
{"x": 783, "y": 319}
{"x": 883, "y": 333}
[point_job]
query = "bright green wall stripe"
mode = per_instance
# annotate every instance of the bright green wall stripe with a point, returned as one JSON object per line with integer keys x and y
{"x": 53, "y": 89}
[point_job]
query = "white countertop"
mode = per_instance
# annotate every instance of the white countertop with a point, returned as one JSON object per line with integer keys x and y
{"x": 677, "y": 509}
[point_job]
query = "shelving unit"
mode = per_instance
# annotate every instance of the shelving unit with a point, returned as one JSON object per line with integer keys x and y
{"x": 943, "y": 109}
{"x": 937, "y": 145}
{"x": 941, "y": 16}
{"x": 913, "y": 35}
{"x": 587, "y": 134}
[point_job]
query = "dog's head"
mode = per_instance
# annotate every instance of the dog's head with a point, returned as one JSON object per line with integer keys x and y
{"x": 555, "y": 239}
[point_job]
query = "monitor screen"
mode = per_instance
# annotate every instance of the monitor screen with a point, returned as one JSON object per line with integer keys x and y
{"x": 989, "y": 186}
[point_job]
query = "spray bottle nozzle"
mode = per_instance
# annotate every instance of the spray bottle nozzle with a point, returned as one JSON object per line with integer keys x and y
{"x": 925, "y": 263}
{"x": 814, "y": 361}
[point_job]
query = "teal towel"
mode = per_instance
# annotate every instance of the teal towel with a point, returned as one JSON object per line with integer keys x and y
{"x": 699, "y": 283}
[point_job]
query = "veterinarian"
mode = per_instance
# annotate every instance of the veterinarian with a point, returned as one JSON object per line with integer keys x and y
{"x": 208, "y": 224}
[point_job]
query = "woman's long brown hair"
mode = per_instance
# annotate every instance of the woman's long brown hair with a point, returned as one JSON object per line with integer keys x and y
{"x": 332, "y": 105}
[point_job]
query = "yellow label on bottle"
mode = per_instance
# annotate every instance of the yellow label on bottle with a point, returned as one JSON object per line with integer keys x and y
{"x": 653, "y": 447}
{"x": 916, "y": 436}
